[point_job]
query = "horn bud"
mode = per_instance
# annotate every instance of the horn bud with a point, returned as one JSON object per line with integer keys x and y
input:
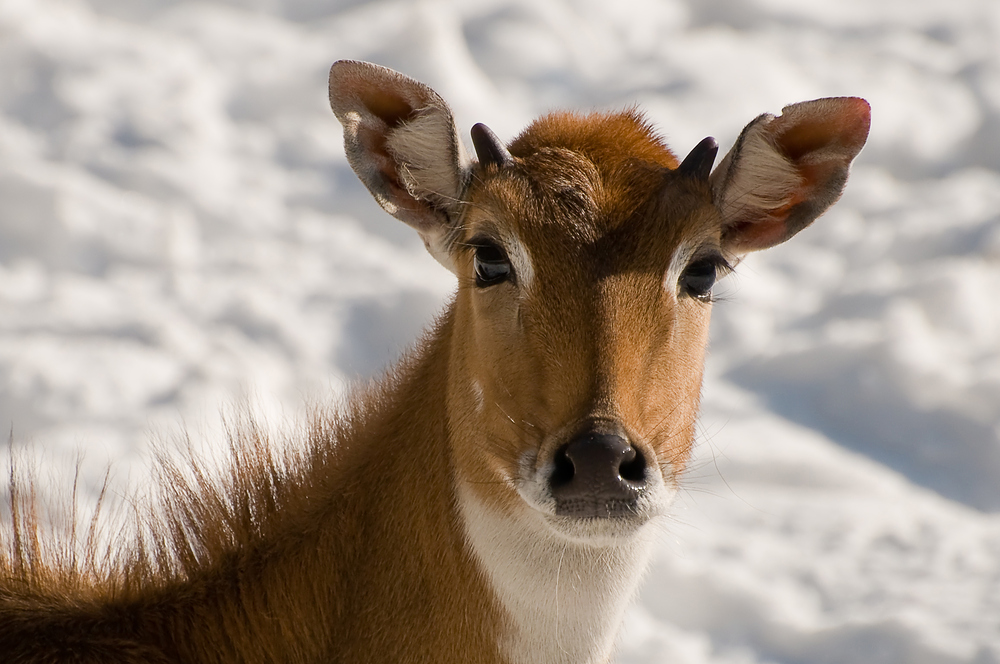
{"x": 489, "y": 149}
{"x": 698, "y": 163}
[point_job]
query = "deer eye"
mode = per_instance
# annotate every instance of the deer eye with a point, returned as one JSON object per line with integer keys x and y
{"x": 491, "y": 264}
{"x": 699, "y": 276}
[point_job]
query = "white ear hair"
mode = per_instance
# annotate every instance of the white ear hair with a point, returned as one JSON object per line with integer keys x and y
{"x": 766, "y": 178}
{"x": 416, "y": 145}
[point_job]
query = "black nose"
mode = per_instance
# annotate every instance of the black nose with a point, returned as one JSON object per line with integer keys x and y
{"x": 597, "y": 475}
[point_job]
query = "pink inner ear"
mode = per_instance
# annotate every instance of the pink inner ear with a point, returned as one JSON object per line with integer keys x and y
{"x": 374, "y": 142}
{"x": 391, "y": 109}
{"x": 755, "y": 235}
{"x": 803, "y": 139}
{"x": 843, "y": 124}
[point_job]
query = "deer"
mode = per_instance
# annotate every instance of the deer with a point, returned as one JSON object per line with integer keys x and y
{"x": 496, "y": 496}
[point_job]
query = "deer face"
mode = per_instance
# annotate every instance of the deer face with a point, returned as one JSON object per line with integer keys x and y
{"x": 585, "y": 281}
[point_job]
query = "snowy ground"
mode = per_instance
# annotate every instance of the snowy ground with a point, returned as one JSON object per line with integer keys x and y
{"x": 179, "y": 229}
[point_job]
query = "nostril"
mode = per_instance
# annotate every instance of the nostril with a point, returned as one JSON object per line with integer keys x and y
{"x": 633, "y": 469}
{"x": 563, "y": 468}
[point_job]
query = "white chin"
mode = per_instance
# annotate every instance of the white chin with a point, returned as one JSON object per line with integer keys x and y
{"x": 594, "y": 531}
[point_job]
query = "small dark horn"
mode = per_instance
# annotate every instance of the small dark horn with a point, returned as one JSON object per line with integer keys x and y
{"x": 698, "y": 163}
{"x": 489, "y": 149}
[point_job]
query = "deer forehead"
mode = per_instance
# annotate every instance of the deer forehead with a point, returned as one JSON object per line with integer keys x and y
{"x": 558, "y": 214}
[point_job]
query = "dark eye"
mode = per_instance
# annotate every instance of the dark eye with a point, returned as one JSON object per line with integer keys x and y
{"x": 491, "y": 264}
{"x": 699, "y": 277}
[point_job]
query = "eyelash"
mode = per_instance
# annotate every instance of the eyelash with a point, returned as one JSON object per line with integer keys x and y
{"x": 491, "y": 264}
{"x": 700, "y": 276}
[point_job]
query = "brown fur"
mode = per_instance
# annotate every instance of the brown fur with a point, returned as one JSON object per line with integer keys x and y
{"x": 309, "y": 557}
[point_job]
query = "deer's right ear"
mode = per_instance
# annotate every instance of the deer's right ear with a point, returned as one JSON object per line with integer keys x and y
{"x": 400, "y": 139}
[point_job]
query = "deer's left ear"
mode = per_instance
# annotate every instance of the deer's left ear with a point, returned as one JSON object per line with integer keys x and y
{"x": 400, "y": 139}
{"x": 785, "y": 171}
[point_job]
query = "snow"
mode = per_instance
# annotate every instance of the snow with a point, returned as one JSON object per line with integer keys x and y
{"x": 179, "y": 231}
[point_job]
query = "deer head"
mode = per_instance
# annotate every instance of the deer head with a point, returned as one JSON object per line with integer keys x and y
{"x": 585, "y": 254}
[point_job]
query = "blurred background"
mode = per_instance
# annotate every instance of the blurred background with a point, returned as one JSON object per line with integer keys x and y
{"x": 180, "y": 232}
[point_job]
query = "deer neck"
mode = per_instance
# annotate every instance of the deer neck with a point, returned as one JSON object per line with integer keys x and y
{"x": 413, "y": 582}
